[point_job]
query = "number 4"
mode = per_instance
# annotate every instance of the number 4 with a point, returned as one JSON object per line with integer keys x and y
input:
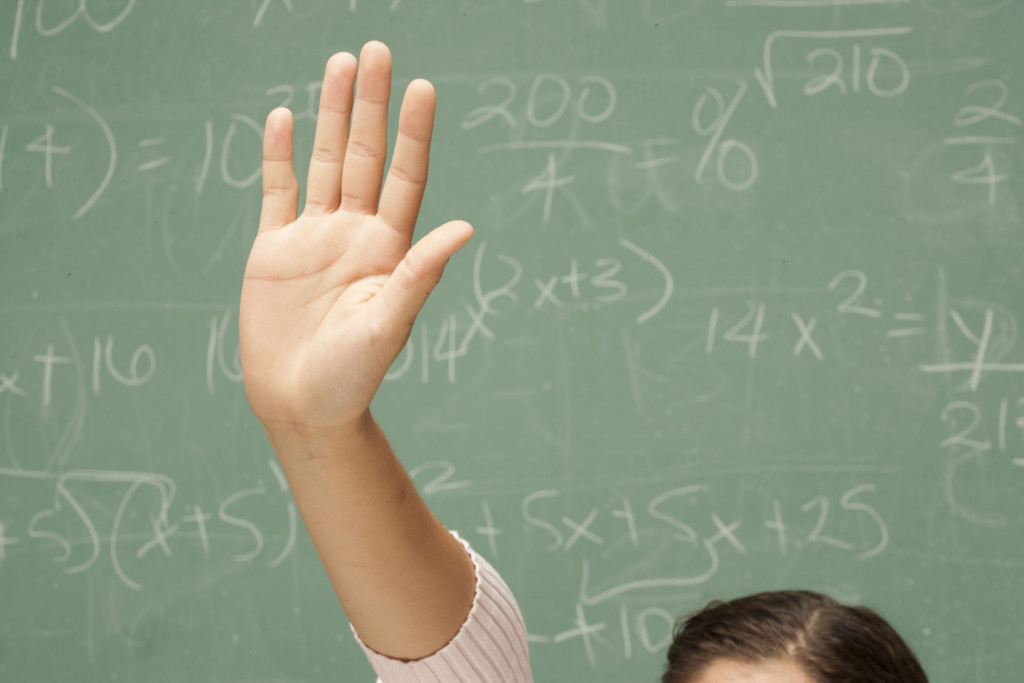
{"x": 44, "y": 144}
{"x": 982, "y": 174}
{"x": 548, "y": 181}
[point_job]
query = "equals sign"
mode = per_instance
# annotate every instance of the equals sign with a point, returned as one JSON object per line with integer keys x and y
{"x": 156, "y": 163}
{"x": 906, "y": 331}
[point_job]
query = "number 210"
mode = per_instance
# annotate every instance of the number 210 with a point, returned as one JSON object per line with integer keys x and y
{"x": 836, "y": 78}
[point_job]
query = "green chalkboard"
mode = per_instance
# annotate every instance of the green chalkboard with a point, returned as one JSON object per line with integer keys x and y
{"x": 741, "y": 313}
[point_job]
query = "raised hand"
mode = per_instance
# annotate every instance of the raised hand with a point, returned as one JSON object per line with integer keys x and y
{"x": 328, "y": 300}
{"x": 330, "y": 296}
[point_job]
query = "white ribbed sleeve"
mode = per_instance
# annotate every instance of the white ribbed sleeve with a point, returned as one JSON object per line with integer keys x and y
{"x": 489, "y": 648}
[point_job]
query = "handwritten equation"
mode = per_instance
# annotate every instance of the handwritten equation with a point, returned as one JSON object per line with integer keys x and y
{"x": 844, "y": 416}
{"x": 977, "y": 341}
{"x": 53, "y": 152}
{"x": 582, "y": 107}
{"x": 686, "y": 522}
{"x": 81, "y": 528}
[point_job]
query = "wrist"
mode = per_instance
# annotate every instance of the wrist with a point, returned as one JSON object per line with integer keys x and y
{"x": 297, "y": 441}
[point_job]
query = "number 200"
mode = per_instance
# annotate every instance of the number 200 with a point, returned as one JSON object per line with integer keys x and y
{"x": 546, "y": 88}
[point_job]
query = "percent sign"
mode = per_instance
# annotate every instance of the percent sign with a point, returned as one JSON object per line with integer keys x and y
{"x": 717, "y": 144}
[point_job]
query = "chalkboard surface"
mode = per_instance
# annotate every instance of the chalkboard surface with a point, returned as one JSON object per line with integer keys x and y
{"x": 741, "y": 313}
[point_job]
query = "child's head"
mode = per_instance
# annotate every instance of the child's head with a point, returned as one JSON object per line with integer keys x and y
{"x": 786, "y": 634}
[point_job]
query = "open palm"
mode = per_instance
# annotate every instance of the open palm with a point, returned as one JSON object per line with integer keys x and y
{"x": 330, "y": 296}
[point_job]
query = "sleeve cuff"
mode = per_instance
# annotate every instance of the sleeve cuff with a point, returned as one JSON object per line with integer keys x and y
{"x": 490, "y": 646}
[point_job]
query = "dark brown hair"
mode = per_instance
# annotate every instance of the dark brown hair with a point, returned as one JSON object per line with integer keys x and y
{"x": 831, "y": 642}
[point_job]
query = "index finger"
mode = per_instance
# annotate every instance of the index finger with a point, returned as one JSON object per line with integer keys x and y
{"x": 407, "y": 177}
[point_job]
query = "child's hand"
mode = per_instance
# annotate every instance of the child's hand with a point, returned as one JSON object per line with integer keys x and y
{"x": 330, "y": 296}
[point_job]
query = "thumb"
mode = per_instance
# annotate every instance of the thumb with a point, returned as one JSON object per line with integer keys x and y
{"x": 416, "y": 275}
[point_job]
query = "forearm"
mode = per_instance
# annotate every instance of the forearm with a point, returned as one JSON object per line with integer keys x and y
{"x": 405, "y": 583}
{"x": 328, "y": 299}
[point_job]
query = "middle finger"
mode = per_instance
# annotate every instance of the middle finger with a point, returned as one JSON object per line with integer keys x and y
{"x": 367, "y": 142}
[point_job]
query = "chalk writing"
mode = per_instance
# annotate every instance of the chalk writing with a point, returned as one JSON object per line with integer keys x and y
{"x": 227, "y": 156}
{"x": 150, "y": 496}
{"x": 48, "y": 24}
{"x": 879, "y": 58}
{"x": 695, "y": 347}
{"x": 985, "y": 173}
{"x": 1003, "y": 430}
{"x": 549, "y": 100}
{"x": 666, "y": 518}
{"x": 596, "y": 284}
{"x": 717, "y": 544}
{"x": 721, "y": 148}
